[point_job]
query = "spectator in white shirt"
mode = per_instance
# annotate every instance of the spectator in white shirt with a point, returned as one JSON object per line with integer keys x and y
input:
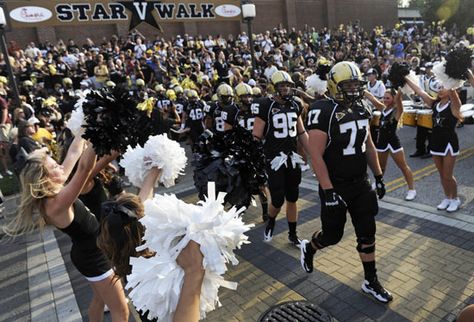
{"x": 267, "y": 44}
{"x": 32, "y": 51}
{"x": 139, "y": 48}
{"x": 270, "y": 69}
{"x": 375, "y": 86}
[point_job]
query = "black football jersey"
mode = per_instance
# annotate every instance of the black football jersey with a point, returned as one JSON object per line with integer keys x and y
{"x": 180, "y": 105}
{"x": 195, "y": 112}
{"x": 221, "y": 115}
{"x": 347, "y": 131}
{"x": 280, "y": 132}
{"x": 162, "y": 102}
{"x": 246, "y": 119}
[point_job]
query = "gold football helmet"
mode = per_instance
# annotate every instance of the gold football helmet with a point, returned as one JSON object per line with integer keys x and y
{"x": 178, "y": 89}
{"x": 192, "y": 94}
{"x": 244, "y": 93}
{"x": 282, "y": 77}
{"x": 140, "y": 82}
{"x": 345, "y": 82}
{"x": 225, "y": 94}
{"x": 243, "y": 89}
{"x": 171, "y": 94}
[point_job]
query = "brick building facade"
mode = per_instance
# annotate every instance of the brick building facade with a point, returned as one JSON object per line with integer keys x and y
{"x": 270, "y": 13}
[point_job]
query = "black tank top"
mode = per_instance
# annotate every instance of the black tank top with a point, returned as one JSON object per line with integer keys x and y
{"x": 443, "y": 118}
{"x": 94, "y": 198}
{"x": 84, "y": 228}
{"x": 388, "y": 123}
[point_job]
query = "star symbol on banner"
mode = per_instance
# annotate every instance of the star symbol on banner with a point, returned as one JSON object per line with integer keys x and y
{"x": 142, "y": 11}
{"x": 439, "y": 121}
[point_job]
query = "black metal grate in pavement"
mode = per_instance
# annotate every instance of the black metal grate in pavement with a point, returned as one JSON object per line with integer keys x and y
{"x": 296, "y": 311}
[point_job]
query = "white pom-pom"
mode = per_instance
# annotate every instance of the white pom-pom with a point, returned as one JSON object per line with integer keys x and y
{"x": 414, "y": 78}
{"x": 76, "y": 122}
{"x": 439, "y": 70}
{"x": 156, "y": 285}
{"x": 132, "y": 162}
{"x": 170, "y": 224}
{"x": 166, "y": 155}
{"x": 316, "y": 84}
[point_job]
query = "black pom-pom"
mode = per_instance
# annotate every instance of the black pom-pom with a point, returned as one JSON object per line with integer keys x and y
{"x": 457, "y": 62}
{"x": 113, "y": 121}
{"x": 397, "y": 74}
{"x": 323, "y": 70}
{"x": 234, "y": 161}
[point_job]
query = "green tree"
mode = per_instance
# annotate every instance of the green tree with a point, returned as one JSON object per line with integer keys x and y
{"x": 457, "y": 12}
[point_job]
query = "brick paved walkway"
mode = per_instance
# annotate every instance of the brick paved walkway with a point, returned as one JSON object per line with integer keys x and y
{"x": 425, "y": 258}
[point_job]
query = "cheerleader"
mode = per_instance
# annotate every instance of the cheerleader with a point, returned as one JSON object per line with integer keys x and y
{"x": 121, "y": 233}
{"x": 444, "y": 142}
{"x": 45, "y": 191}
{"x": 387, "y": 140}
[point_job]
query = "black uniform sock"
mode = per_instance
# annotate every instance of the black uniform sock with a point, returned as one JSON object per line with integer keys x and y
{"x": 292, "y": 228}
{"x": 264, "y": 208}
{"x": 271, "y": 222}
{"x": 370, "y": 271}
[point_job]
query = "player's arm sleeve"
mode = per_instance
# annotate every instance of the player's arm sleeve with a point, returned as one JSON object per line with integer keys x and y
{"x": 260, "y": 109}
{"x": 229, "y": 115}
{"x": 318, "y": 117}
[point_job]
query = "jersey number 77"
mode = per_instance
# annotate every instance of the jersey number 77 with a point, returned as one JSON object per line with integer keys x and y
{"x": 353, "y": 127}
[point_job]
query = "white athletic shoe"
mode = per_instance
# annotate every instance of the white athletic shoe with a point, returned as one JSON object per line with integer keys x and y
{"x": 453, "y": 205}
{"x": 268, "y": 234}
{"x": 377, "y": 291}
{"x": 9, "y": 173}
{"x": 444, "y": 204}
{"x": 411, "y": 195}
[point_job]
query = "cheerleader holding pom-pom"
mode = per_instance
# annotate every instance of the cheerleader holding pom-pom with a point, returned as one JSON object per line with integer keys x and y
{"x": 121, "y": 233}
{"x": 47, "y": 191}
{"x": 444, "y": 146}
{"x": 160, "y": 253}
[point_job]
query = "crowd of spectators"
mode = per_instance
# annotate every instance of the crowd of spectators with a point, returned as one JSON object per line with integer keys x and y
{"x": 51, "y": 75}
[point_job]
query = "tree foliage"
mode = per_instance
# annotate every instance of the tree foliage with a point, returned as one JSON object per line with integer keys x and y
{"x": 459, "y": 12}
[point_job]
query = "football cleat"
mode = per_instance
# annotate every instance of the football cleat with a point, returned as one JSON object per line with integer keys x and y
{"x": 293, "y": 239}
{"x": 268, "y": 234}
{"x": 307, "y": 256}
{"x": 377, "y": 291}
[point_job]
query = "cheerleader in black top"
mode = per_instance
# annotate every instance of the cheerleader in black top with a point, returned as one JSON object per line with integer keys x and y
{"x": 45, "y": 190}
{"x": 444, "y": 141}
{"x": 387, "y": 141}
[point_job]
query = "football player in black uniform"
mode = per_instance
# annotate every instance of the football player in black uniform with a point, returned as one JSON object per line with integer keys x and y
{"x": 194, "y": 116}
{"x": 181, "y": 100}
{"x": 278, "y": 122}
{"x": 246, "y": 120}
{"x": 213, "y": 113}
{"x": 341, "y": 148}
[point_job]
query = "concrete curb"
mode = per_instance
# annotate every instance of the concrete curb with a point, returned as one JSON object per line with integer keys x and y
{"x": 51, "y": 293}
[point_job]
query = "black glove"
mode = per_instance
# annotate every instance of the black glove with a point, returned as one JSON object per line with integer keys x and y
{"x": 334, "y": 202}
{"x": 380, "y": 186}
